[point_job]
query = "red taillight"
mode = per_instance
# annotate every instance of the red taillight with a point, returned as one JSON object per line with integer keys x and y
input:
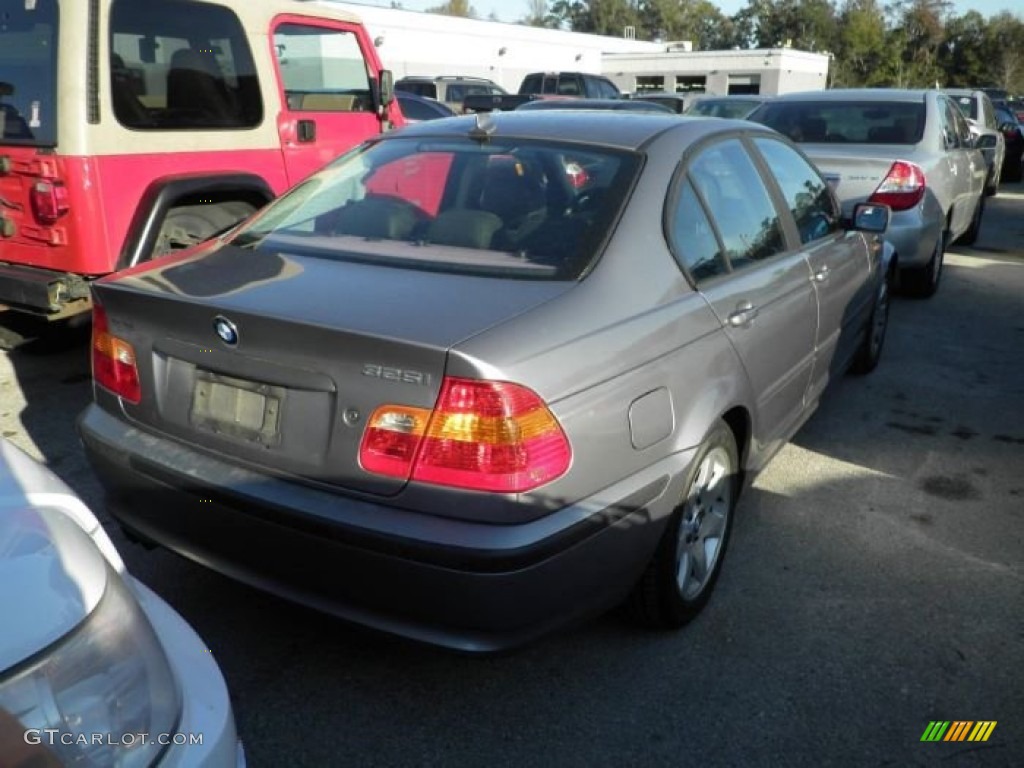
{"x": 481, "y": 435}
{"x": 902, "y": 188}
{"x": 49, "y": 201}
{"x": 113, "y": 360}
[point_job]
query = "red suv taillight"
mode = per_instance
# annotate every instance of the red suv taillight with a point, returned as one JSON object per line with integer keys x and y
{"x": 902, "y": 188}
{"x": 49, "y": 201}
{"x": 481, "y": 435}
{"x": 113, "y": 360}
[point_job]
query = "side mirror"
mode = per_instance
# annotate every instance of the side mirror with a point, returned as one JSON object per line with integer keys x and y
{"x": 386, "y": 87}
{"x": 871, "y": 217}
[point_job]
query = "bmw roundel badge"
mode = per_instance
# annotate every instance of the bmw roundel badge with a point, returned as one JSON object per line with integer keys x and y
{"x": 226, "y": 330}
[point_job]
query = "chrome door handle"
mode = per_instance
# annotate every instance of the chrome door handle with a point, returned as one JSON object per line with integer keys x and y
{"x": 743, "y": 316}
{"x": 821, "y": 275}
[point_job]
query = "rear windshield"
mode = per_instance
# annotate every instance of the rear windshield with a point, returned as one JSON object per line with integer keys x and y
{"x": 28, "y": 72}
{"x": 732, "y": 108}
{"x": 520, "y": 209}
{"x": 841, "y": 122}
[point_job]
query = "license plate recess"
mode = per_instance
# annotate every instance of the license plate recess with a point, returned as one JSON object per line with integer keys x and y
{"x": 246, "y": 410}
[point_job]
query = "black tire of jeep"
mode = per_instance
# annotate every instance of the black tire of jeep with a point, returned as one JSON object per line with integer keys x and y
{"x": 190, "y": 225}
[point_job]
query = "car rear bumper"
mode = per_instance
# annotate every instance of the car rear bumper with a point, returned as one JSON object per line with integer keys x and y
{"x": 464, "y": 585}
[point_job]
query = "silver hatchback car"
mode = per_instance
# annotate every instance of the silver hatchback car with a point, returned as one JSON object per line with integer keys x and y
{"x": 912, "y": 150}
{"x": 481, "y": 378}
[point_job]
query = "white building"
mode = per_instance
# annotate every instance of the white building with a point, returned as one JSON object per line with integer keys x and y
{"x": 419, "y": 43}
{"x": 769, "y": 71}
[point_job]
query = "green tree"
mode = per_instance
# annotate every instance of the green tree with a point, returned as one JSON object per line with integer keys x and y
{"x": 809, "y": 25}
{"x": 697, "y": 20}
{"x": 572, "y": 14}
{"x": 455, "y": 8}
{"x": 1005, "y": 43}
{"x": 922, "y": 24}
{"x": 965, "y": 55}
{"x": 861, "y": 48}
{"x": 539, "y": 15}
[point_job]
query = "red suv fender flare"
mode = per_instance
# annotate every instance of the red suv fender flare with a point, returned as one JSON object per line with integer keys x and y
{"x": 165, "y": 193}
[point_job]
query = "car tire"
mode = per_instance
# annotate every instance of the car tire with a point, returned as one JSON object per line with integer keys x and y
{"x": 870, "y": 350}
{"x": 693, "y": 545}
{"x": 190, "y": 225}
{"x": 923, "y": 282}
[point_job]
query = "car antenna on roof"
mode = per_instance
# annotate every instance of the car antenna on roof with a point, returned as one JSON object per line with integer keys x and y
{"x": 484, "y": 127}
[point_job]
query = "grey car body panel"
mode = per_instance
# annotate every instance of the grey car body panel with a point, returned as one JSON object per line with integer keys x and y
{"x": 954, "y": 178}
{"x": 635, "y": 363}
{"x": 460, "y": 584}
{"x": 397, "y": 329}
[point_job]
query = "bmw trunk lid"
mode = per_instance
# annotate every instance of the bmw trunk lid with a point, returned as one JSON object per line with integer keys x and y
{"x": 277, "y": 361}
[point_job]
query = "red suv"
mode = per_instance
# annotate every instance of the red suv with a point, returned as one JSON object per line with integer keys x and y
{"x": 131, "y": 129}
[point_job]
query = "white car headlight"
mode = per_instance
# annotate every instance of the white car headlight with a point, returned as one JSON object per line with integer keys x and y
{"x": 95, "y": 692}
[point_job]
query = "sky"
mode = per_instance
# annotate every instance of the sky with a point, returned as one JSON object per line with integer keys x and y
{"x": 512, "y": 10}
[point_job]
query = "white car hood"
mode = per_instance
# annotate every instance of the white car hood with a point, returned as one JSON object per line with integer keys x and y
{"x": 52, "y": 574}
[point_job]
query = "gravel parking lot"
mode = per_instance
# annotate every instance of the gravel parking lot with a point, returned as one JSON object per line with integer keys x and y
{"x": 875, "y": 582}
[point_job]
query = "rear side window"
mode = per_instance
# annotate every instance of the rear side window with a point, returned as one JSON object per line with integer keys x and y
{"x": 739, "y": 203}
{"x": 874, "y": 122}
{"x": 694, "y": 243}
{"x": 179, "y": 65}
{"x": 807, "y": 195}
{"x": 28, "y": 72}
{"x": 323, "y": 70}
{"x": 519, "y": 209}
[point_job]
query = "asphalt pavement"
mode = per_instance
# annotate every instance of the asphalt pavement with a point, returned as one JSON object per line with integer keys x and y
{"x": 874, "y": 583}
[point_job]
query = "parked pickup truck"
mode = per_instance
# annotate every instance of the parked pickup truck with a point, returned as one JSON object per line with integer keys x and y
{"x": 542, "y": 85}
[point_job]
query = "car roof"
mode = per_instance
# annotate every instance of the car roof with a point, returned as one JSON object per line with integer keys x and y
{"x": 857, "y": 94}
{"x": 436, "y": 78}
{"x": 622, "y": 105}
{"x": 611, "y": 128}
{"x": 733, "y": 97}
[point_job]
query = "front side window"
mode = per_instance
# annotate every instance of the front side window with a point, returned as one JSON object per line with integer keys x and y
{"x": 28, "y": 72}
{"x": 176, "y": 64}
{"x": 738, "y": 202}
{"x": 807, "y": 194}
{"x": 323, "y": 70}
{"x": 521, "y": 209}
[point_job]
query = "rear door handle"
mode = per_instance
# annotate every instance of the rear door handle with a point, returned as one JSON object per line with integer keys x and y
{"x": 822, "y": 274}
{"x": 743, "y": 316}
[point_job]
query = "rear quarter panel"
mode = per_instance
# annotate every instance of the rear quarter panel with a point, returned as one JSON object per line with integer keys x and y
{"x": 632, "y": 327}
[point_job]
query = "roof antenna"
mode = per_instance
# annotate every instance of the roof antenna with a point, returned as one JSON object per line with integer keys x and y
{"x": 484, "y": 127}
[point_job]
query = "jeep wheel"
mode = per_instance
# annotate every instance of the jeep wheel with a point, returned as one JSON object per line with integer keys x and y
{"x": 192, "y": 224}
